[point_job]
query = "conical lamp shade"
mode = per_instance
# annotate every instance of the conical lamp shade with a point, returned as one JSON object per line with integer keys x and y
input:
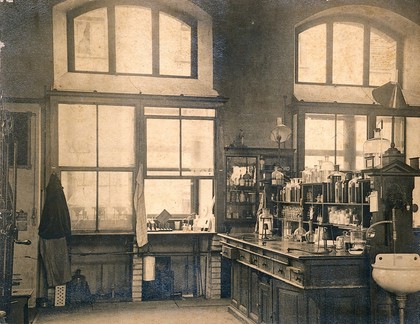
{"x": 390, "y": 95}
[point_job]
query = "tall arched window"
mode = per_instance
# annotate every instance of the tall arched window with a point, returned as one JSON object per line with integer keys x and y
{"x": 132, "y": 39}
{"x": 347, "y": 51}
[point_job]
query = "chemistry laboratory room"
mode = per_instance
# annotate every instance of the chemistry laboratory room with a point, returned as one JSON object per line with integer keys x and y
{"x": 209, "y": 161}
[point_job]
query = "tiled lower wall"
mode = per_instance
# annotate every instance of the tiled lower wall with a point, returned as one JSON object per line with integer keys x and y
{"x": 213, "y": 273}
{"x": 136, "y": 286}
{"x": 213, "y": 280}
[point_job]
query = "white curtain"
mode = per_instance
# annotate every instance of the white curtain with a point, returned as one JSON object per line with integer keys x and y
{"x": 140, "y": 209}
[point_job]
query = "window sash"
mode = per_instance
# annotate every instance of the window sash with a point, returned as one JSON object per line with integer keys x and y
{"x": 97, "y": 162}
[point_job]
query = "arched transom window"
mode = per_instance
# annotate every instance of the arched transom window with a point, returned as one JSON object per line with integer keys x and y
{"x": 132, "y": 39}
{"x": 346, "y": 52}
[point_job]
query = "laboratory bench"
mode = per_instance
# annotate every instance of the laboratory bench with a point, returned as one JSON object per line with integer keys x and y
{"x": 275, "y": 281}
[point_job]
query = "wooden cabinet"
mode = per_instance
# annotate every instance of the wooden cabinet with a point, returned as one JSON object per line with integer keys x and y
{"x": 272, "y": 285}
{"x": 252, "y": 293}
{"x": 247, "y": 175}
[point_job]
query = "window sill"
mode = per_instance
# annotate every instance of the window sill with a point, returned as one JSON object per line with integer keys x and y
{"x": 86, "y": 233}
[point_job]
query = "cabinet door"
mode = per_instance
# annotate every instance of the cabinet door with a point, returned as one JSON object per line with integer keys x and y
{"x": 260, "y": 298}
{"x": 235, "y": 283}
{"x": 291, "y": 306}
{"x": 243, "y": 288}
{"x": 240, "y": 287}
{"x": 265, "y": 300}
{"x": 241, "y": 188}
{"x": 254, "y": 302}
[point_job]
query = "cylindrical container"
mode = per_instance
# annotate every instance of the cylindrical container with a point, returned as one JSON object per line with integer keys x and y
{"x": 149, "y": 268}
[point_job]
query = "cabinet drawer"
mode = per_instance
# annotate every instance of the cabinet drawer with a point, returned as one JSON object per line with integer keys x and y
{"x": 229, "y": 252}
{"x": 279, "y": 269}
{"x": 295, "y": 275}
{"x": 244, "y": 256}
{"x": 265, "y": 264}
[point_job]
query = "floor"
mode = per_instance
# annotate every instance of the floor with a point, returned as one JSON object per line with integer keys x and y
{"x": 190, "y": 310}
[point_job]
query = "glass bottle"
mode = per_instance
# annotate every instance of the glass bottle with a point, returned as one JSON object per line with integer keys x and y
{"x": 279, "y": 177}
{"x": 288, "y": 192}
{"x": 296, "y": 190}
{"x": 315, "y": 173}
{"x": 299, "y": 233}
{"x": 309, "y": 236}
{"x": 274, "y": 176}
{"x": 327, "y": 167}
{"x": 374, "y": 148}
{"x": 247, "y": 178}
{"x": 336, "y": 178}
{"x": 306, "y": 175}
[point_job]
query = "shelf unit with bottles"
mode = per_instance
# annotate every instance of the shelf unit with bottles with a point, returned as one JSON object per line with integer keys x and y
{"x": 248, "y": 180}
{"x": 316, "y": 206}
{"x": 338, "y": 212}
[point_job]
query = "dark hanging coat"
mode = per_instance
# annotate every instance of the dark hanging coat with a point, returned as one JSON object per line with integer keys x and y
{"x": 55, "y": 218}
{"x": 55, "y": 232}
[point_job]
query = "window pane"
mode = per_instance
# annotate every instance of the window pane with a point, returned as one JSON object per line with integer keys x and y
{"x": 91, "y": 41}
{"x": 319, "y": 138}
{"x": 133, "y": 33}
{"x": 161, "y": 111}
{"x": 116, "y": 136}
{"x": 77, "y": 135}
{"x": 174, "y": 195}
{"x": 351, "y": 135}
{"x": 348, "y": 53}
{"x": 163, "y": 146}
{"x": 413, "y": 144}
{"x": 115, "y": 199}
{"x": 198, "y": 112}
{"x": 312, "y": 55}
{"x": 383, "y": 58}
{"x": 398, "y": 130}
{"x": 174, "y": 46}
{"x": 197, "y": 147}
{"x": 80, "y": 190}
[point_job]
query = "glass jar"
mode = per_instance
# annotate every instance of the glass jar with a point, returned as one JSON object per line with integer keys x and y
{"x": 327, "y": 167}
{"x": 374, "y": 148}
{"x": 306, "y": 175}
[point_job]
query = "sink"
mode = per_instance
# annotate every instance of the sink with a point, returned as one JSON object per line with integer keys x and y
{"x": 398, "y": 273}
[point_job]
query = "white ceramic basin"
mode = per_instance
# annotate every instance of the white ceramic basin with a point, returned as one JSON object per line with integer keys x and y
{"x": 398, "y": 273}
